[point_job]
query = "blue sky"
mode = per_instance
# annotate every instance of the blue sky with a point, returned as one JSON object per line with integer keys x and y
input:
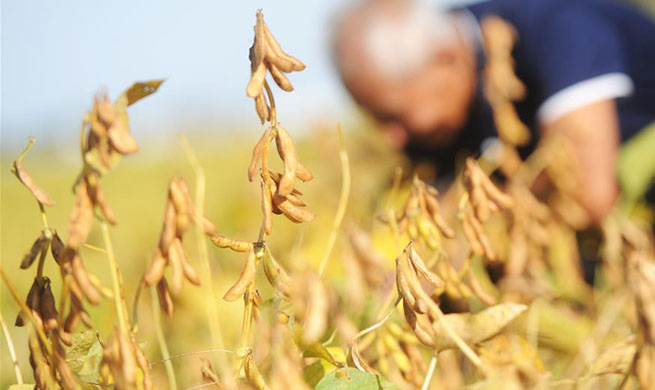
{"x": 56, "y": 54}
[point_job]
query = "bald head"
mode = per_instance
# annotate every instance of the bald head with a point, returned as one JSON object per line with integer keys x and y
{"x": 394, "y": 54}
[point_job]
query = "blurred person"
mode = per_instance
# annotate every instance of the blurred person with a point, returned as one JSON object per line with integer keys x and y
{"x": 588, "y": 65}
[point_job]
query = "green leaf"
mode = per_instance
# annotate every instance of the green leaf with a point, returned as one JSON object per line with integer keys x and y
{"x": 21, "y": 387}
{"x": 352, "y": 379}
{"x": 84, "y": 356}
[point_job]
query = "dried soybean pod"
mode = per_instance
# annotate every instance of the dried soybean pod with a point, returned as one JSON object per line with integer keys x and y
{"x": 433, "y": 208}
{"x": 303, "y": 173}
{"x": 222, "y": 241}
{"x": 280, "y": 79}
{"x": 276, "y": 55}
{"x": 276, "y": 275}
{"x": 32, "y": 302}
{"x": 81, "y": 219}
{"x": 471, "y": 237}
{"x": 503, "y": 200}
{"x": 414, "y": 285}
{"x": 177, "y": 269}
{"x": 25, "y": 178}
{"x": 257, "y": 151}
{"x": 82, "y": 278}
{"x": 403, "y": 287}
{"x": 245, "y": 279}
{"x": 189, "y": 272}
{"x": 482, "y": 238}
{"x": 208, "y": 226}
{"x": 287, "y": 151}
{"x": 256, "y": 82}
{"x": 261, "y": 107}
{"x": 292, "y": 212}
{"x": 421, "y": 268}
{"x": 142, "y": 363}
{"x": 252, "y": 373}
{"x": 296, "y": 200}
{"x": 47, "y": 308}
{"x": 38, "y": 246}
{"x": 421, "y": 334}
{"x": 119, "y": 135}
{"x": 168, "y": 229}
{"x": 155, "y": 271}
{"x": 165, "y": 299}
{"x": 178, "y": 196}
{"x": 56, "y": 246}
{"x": 98, "y": 197}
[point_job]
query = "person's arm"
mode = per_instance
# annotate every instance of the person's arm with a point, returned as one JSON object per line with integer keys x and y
{"x": 593, "y": 131}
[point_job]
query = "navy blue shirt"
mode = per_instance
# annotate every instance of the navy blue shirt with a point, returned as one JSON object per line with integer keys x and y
{"x": 569, "y": 53}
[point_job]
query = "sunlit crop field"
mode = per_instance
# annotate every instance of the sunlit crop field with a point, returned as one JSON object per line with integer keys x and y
{"x": 271, "y": 258}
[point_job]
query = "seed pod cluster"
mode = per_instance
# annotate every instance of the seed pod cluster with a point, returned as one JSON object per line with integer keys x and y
{"x": 48, "y": 361}
{"x": 106, "y": 133}
{"x": 124, "y": 363}
{"x": 279, "y": 195}
{"x": 528, "y": 233}
{"x": 501, "y": 86}
{"x": 421, "y": 217}
{"x": 267, "y": 54}
{"x": 483, "y": 199}
{"x": 410, "y": 271}
{"x": 51, "y": 371}
{"x": 180, "y": 212}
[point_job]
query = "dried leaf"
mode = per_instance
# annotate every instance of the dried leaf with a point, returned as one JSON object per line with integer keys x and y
{"x": 25, "y": 178}
{"x": 139, "y": 90}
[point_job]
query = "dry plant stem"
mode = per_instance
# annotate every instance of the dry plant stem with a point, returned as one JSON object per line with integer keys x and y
{"x": 12, "y": 351}
{"x": 21, "y": 156}
{"x": 211, "y": 305}
{"x": 163, "y": 347}
{"x": 94, "y": 248}
{"x": 430, "y": 373}
{"x": 27, "y": 311}
{"x": 271, "y": 100}
{"x": 116, "y": 284}
{"x": 185, "y": 354}
{"x": 343, "y": 202}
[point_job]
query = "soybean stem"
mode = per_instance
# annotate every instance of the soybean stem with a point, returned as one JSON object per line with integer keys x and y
{"x": 163, "y": 347}
{"x": 115, "y": 278}
{"x": 12, "y": 351}
{"x": 210, "y": 303}
{"x": 273, "y": 118}
{"x": 343, "y": 202}
{"x": 428, "y": 375}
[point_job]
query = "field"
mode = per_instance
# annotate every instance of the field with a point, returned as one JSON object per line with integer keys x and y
{"x": 236, "y": 259}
